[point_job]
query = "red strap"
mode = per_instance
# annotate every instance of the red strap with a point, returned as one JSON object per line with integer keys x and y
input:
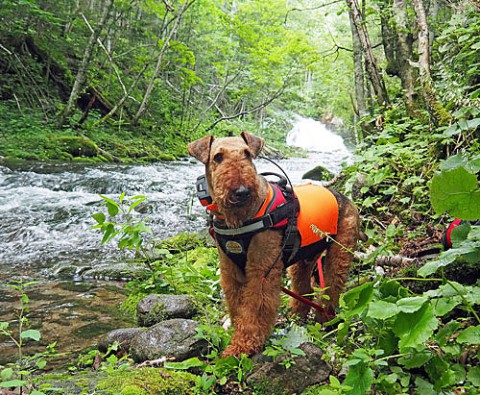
{"x": 452, "y": 226}
{"x": 321, "y": 279}
{"x": 303, "y": 299}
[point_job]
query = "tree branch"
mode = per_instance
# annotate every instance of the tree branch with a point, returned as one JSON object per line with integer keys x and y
{"x": 245, "y": 112}
{"x": 310, "y": 9}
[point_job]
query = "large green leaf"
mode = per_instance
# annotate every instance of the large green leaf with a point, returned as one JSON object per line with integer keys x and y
{"x": 445, "y": 259}
{"x": 471, "y": 335}
{"x": 359, "y": 378}
{"x": 414, "y": 328}
{"x": 456, "y": 191}
{"x": 357, "y": 299}
{"x": 382, "y": 310}
{"x": 412, "y": 304}
{"x": 474, "y": 375}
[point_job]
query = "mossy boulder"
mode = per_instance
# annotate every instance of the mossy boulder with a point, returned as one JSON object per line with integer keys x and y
{"x": 174, "y": 338}
{"x": 155, "y": 308}
{"x": 319, "y": 173}
{"x": 78, "y": 146}
{"x": 143, "y": 381}
{"x": 273, "y": 378}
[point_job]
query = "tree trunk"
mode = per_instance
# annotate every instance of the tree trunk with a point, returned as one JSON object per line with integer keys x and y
{"x": 79, "y": 83}
{"x": 437, "y": 112}
{"x": 149, "y": 90}
{"x": 359, "y": 75}
{"x": 370, "y": 62}
{"x": 404, "y": 56}
{"x": 359, "y": 103}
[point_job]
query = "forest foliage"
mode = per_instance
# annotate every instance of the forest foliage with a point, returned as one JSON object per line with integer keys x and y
{"x": 166, "y": 71}
{"x": 402, "y": 75}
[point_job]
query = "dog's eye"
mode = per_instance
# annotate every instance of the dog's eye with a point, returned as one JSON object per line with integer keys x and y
{"x": 247, "y": 153}
{"x": 218, "y": 158}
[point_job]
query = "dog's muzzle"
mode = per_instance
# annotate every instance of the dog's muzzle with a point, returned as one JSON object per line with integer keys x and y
{"x": 240, "y": 196}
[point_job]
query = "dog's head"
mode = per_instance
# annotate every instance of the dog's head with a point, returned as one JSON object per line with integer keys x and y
{"x": 232, "y": 178}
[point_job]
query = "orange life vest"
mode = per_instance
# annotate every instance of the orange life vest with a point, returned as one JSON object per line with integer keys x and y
{"x": 306, "y": 217}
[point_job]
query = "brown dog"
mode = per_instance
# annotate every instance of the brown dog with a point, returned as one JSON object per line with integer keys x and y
{"x": 252, "y": 288}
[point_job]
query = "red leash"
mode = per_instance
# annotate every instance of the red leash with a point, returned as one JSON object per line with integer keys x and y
{"x": 304, "y": 299}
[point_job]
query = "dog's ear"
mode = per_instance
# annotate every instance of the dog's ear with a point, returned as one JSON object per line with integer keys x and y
{"x": 254, "y": 143}
{"x": 200, "y": 148}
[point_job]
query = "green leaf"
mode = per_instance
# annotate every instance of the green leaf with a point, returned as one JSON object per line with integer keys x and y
{"x": 440, "y": 372}
{"x": 415, "y": 328}
{"x": 382, "y": 310}
{"x": 6, "y": 374}
{"x": 474, "y": 375}
{"x": 443, "y": 306}
{"x": 294, "y": 338}
{"x": 359, "y": 378}
{"x": 185, "y": 365}
{"x": 415, "y": 359}
{"x": 41, "y": 363}
{"x": 460, "y": 233}
{"x": 445, "y": 259}
{"x": 138, "y": 199}
{"x": 112, "y": 205}
{"x": 31, "y": 334}
{"x": 471, "y": 164}
{"x": 471, "y": 335}
{"x": 13, "y": 383}
{"x": 410, "y": 305}
{"x": 99, "y": 217}
{"x": 112, "y": 209}
{"x": 456, "y": 191}
{"x": 424, "y": 387}
{"x": 357, "y": 299}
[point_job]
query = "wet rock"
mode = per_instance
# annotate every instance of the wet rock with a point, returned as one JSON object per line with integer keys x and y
{"x": 123, "y": 336}
{"x": 318, "y": 173}
{"x": 173, "y": 338}
{"x": 157, "y": 308}
{"x": 308, "y": 370}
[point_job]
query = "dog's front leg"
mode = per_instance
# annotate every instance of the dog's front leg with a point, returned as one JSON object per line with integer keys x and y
{"x": 260, "y": 299}
{"x": 232, "y": 281}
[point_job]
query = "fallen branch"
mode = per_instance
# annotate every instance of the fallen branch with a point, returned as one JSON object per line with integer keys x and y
{"x": 395, "y": 260}
{"x": 383, "y": 260}
{"x": 155, "y": 362}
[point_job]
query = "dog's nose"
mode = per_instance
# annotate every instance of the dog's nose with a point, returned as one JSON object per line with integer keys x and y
{"x": 242, "y": 193}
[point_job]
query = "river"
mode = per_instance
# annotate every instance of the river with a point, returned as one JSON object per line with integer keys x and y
{"x": 46, "y": 231}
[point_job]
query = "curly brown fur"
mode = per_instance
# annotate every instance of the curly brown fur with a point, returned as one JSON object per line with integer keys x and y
{"x": 239, "y": 192}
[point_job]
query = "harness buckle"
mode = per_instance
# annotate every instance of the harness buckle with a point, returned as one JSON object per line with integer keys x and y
{"x": 268, "y": 221}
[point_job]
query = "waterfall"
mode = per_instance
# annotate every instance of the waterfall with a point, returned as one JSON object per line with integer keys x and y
{"x": 315, "y": 136}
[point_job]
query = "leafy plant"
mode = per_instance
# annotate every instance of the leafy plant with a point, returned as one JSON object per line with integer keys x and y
{"x": 19, "y": 374}
{"x": 132, "y": 233}
{"x": 286, "y": 348}
{"x": 393, "y": 341}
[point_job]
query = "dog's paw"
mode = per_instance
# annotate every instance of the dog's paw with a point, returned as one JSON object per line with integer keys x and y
{"x": 236, "y": 351}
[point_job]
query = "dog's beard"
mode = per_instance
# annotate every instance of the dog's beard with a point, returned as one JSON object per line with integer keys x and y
{"x": 234, "y": 212}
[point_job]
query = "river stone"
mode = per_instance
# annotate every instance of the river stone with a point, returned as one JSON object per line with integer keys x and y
{"x": 157, "y": 308}
{"x": 124, "y": 336}
{"x": 174, "y": 338}
{"x": 318, "y": 173}
{"x": 273, "y": 378}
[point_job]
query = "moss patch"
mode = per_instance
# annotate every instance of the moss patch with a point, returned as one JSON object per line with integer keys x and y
{"x": 148, "y": 381}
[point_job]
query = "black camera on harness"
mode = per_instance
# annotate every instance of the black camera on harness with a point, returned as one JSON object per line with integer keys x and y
{"x": 202, "y": 191}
